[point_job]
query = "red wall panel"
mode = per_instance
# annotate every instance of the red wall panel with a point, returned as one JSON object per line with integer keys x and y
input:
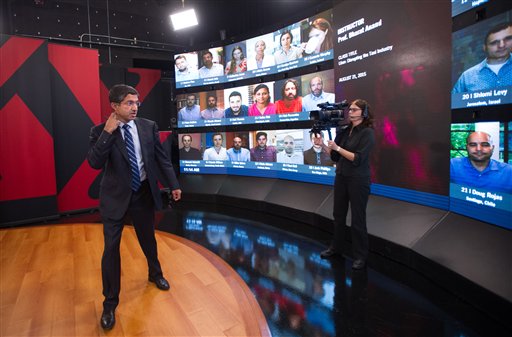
{"x": 27, "y": 161}
{"x": 27, "y": 165}
{"x": 76, "y": 87}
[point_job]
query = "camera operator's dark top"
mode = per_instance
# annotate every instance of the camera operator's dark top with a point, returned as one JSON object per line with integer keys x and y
{"x": 360, "y": 142}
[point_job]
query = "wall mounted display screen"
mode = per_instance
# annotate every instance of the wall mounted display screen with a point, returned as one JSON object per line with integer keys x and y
{"x": 286, "y": 100}
{"x": 461, "y": 6}
{"x": 396, "y": 59}
{"x": 303, "y": 43}
{"x": 294, "y": 154}
{"x": 480, "y": 180}
{"x": 482, "y": 67}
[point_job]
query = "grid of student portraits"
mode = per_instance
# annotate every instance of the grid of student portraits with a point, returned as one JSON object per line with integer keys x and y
{"x": 303, "y": 43}
{"x": 480, "y": 164}
{"x": 294, "y": 154}
{"x": 285, "y": 100}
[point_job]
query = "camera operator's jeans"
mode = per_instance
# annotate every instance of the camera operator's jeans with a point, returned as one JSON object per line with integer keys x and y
{"x": 353, "y": 191}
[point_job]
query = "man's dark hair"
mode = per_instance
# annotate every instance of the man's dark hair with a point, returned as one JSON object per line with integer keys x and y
{"x": 206, "y": 52}
{"x": 186, "y": 136}
{"x": 235, "y": 93}
{"x": 496, "y": 29}
{"x": 119, "y": 92}
{"x": 261, "y": 133}
{"x": 180, "y": 57}
{"x": 211, "y": 94}
{"x": 191, "y": 95}
{"x": 217, "y": 134}
{"x": 295, "y": 83}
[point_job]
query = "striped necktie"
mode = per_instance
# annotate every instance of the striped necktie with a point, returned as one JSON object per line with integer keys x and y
{"x": 130, "y": 147}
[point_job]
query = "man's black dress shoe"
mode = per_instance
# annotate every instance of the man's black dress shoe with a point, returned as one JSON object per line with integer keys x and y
{"x": 328, "y": 253}
{"x": 358, "y": 264}
{"x": 160, "y": 282}
{"x": 108, "y": 319}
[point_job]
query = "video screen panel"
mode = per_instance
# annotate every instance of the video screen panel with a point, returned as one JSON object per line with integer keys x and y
{"x": 482, "y": 67}
{"x": 293, "y": 154}
{"x": 286, "y": 100}
{"x": 480, "y": 180}
{"x": 303, "y": 43}
{"x": 461, "y": 6}
{"x": 396, "y": 59}
{"x": 509, "y": 142}
{"x": 186, "y": 67}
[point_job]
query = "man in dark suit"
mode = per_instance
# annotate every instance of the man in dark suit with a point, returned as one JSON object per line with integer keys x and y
{"x": 129, "y": 152}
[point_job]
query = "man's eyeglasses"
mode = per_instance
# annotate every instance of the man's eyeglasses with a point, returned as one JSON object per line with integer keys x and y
{"x": 132, "y": 103}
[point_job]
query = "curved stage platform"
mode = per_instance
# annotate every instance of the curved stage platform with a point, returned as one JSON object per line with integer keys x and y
{"x": 51, "y": 286}
{"x": 468, "y": 258}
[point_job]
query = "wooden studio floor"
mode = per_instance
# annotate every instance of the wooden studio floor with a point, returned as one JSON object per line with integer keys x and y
{"x": 50, "y": 285}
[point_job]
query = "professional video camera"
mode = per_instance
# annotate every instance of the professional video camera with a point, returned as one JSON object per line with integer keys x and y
{"x": 329, "y": 116}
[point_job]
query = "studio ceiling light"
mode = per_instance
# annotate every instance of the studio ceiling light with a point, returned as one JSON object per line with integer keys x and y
{"x": 184, "y": 19}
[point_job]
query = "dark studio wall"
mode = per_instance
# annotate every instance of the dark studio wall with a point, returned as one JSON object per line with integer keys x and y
{"x": 138, "y": 33}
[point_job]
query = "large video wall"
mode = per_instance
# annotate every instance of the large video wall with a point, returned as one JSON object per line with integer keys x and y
{"x": 396, "y": 59}
{"x": 286, "y": 100}
{"x": 294, "y": 154}
{"x": 306, "y": 42}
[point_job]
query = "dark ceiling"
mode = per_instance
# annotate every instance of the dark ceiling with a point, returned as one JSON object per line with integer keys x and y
{"x": 148, "y": 20}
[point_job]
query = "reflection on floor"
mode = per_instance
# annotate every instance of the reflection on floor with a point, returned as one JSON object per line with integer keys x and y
{"x": 304, "y": 295}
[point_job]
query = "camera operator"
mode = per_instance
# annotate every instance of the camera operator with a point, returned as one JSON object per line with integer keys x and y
{"x": 350, "y": 150}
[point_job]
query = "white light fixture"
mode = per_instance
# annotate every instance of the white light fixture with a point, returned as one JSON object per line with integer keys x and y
{"x": 184, "y": 19}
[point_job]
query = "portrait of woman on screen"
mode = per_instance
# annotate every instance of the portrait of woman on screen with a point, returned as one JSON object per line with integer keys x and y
{"x": 238, "y": 63}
